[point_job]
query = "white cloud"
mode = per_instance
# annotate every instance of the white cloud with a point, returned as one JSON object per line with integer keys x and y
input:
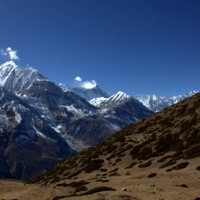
{"x": 78, "y": 78}
{"x": 88, "y": 84}
{"x": 10, "y": 53}
{"x": 84, "y": 84}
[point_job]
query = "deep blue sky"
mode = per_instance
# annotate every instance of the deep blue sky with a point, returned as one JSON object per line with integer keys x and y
{"x": 137, "y": 46}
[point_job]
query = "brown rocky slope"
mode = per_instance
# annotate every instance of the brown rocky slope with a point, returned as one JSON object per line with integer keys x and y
{"x": 155, "y": 158}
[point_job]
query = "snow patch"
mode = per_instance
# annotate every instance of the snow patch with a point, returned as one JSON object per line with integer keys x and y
{"x": 97, "y": 101}
{"x": 18, "y": 117}
{"x": 39, "y": 133}
{"x": 71, "y": 108}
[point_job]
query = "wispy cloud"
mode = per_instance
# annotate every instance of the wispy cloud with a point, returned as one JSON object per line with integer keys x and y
{"x": 9, "y": 53}
{"x": 84, "y": 84}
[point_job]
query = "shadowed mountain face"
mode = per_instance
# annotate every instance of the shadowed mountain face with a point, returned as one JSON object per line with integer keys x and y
{"x": 166, "y": 142}
{"x": 28, "y": 145}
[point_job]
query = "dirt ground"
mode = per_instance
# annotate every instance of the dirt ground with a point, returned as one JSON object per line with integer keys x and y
{"x": 146, "y": 184}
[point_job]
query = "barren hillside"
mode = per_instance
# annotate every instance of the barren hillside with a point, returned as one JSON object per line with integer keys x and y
{"x": 155, "y": 158}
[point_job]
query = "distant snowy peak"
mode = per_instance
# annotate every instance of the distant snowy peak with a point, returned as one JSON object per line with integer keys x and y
{"x": 158, "y": 103}
{"x": 90, "y": 93}
{"x": 178, "y": 98}
{"x": 152, "y": 102}
{"x": 16, "y": 79}
{"x": 118, "y": 97}
{"x": 115, "y": 99}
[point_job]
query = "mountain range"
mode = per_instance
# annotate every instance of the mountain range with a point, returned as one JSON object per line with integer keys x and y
{"x": 43, "y": 123}
{"x": 158, "y": 103}
{"x": 152, "y": 102}
{"x": 155, "y": 158}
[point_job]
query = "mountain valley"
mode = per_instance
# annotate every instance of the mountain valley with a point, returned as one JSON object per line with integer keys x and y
{"x": 154, "y": 158}
{"x": 154, "y": 152}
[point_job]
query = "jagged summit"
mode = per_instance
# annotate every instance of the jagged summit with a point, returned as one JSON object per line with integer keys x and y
{"x": 118, "y": 97}
{"x": 18, "y": 80}
{"x": 115, "y": 99}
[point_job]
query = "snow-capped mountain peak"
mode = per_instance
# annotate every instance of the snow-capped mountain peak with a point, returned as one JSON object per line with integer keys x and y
{"x": 120, "y": 96}
{"x": 178, "y": 98}
{"x": 16, "y": 79}
{"x": 114, "y": 99}
{"x": 147, "y": 100}
{"x": 158, "y": 103}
